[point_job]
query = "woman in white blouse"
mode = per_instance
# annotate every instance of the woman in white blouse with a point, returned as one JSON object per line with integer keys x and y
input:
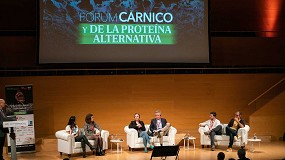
{"x": 72, "y": 129}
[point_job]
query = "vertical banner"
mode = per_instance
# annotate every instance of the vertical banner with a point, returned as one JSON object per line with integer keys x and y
{"x": 19, "y": 99}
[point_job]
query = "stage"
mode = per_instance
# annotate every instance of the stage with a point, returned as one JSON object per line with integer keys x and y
{"x": 47, "y": 150}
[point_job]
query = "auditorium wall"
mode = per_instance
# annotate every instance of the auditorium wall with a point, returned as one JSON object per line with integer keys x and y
{"x": 268, "y": 122}
{"x": 185, "y": 100}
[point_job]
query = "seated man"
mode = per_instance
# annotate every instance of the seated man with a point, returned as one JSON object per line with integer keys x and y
{"x": 215, "y": 128}
{"x": 159, "y": 127}
{"x": 232, "y": 129}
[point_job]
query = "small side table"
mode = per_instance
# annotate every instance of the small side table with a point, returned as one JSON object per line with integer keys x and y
{"x": 118, "y": 142}
{"x": 251, "y": 140}
{"x": 186, "y": 142}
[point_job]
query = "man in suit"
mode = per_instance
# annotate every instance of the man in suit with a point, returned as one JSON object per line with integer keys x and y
{"x": 3, "y": 131}
{"x": 159, "y": 126}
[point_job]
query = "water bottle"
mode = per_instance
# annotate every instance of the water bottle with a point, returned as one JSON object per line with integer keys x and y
{"x": 254, "y": 136}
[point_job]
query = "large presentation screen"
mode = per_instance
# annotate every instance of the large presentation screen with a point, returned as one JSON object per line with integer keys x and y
{"x": 91, "y": 31}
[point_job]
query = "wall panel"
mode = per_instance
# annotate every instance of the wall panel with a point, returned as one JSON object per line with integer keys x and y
{"x": 185, "y": 100}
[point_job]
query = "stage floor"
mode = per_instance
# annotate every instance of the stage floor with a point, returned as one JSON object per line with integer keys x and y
{"x": 267, "y": 151}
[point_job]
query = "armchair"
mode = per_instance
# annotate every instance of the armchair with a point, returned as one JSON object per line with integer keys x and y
{"x": 224, "y": 139}
{"x": 66, "y": 143}
{"x": 133, "y": 141}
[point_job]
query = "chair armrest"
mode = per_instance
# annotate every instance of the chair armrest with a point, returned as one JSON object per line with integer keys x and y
{"x": 203, "y": 129}
{"x": 61, "y": 134}
{"x": 172, "y": 131}
{"x": 243, "y": 130}
{"x": 132, "y": 136}
{"x": 105, "y": 134}
{"x": 171, "y": 135}
{"x": 131, "y": 131}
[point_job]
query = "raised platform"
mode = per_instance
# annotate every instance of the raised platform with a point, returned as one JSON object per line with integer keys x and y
{"x": 47, "y": 150}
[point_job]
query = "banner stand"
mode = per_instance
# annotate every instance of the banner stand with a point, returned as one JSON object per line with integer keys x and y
{"x": 19, "y": 100}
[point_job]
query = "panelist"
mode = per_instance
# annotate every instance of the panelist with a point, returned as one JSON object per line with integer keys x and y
{"x": 159, "y": 127}
{"x": 93, "y": 132}
{"x": 232, "y": 129}
{"x": 215, "y": 128}
{"x": 139, "y": 126}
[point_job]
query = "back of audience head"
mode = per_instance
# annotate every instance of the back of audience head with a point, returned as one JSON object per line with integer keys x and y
{"x": 241, "y": 153}
{"x": 221, "y": 156}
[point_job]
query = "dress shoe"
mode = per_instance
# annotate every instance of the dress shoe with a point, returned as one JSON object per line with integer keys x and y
{"x": 212, "y": 148}
{"x": 93, "y": 148}
{"x": 98, "y": 153}
{"x": 229, "y": 150}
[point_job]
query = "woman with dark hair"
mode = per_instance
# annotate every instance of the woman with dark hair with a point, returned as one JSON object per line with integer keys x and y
{"x": 72, "y": 129}
{"x": 93, "y": 132}
{"x": 139, "y": 126}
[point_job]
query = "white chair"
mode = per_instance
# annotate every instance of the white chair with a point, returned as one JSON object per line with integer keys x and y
{"x": 224, "y": 139}
{"x": 66, "y": 143}
{"x": 133, "y": 141}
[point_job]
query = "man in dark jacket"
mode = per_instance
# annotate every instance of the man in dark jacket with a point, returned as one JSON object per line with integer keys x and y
{"x": 3, "y": 131}
{"x": 236, "y": 123}
{"x": 159, "y": 126}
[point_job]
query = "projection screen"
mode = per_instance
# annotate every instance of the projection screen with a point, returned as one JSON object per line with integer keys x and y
{"x": 91, "y": 31}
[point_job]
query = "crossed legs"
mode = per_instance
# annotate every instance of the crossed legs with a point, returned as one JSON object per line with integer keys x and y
{"x": 212, "y": 133}
{"x": 163, "y": 132}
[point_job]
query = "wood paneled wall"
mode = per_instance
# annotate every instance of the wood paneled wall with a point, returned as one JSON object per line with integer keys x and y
{"x": 185, "y": 100}
{"x": 270, "y": 119}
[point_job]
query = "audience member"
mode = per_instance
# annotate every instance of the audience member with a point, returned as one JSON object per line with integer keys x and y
{"x": 221, "y": 156}
{"x": 241, "y": 154}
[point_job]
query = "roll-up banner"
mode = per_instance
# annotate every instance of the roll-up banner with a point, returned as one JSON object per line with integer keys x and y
{"x": 19, "y": 98}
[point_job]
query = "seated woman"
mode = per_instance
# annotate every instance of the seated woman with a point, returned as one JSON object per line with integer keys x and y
{"x": 93, "y": 132}
{"x": 139, "y": 126}
{"x": 72, "y": 129}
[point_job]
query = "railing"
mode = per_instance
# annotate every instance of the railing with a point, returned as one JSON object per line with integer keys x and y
{"x": 269, "y": 89}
